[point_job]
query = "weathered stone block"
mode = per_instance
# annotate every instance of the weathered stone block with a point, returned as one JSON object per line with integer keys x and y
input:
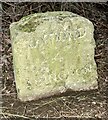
{"x": 53, "y": 52}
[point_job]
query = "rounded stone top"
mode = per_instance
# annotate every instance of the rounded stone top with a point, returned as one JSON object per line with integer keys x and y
{"x": 52, "y": 23}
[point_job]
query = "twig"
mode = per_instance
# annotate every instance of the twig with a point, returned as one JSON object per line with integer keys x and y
{"x": 14, "y": 115}
{"x": 98, "y": 55}
{"x": 44, "y": 104}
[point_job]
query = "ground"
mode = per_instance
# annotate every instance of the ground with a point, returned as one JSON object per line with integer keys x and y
{"x": 84, "y": 104}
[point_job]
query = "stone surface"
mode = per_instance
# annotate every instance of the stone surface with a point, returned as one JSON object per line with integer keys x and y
{"x": 53, "y": 52}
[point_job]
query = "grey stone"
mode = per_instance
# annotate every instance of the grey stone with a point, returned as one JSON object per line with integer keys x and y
{"x": 53, "y": 52}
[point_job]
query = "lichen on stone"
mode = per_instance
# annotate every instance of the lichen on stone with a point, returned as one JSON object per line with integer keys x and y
{"x": 53, "y": 52}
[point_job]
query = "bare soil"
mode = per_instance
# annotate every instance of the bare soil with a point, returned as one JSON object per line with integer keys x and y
{"x": 70, "y": 105}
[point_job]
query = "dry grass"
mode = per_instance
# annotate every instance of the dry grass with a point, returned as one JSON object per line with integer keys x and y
{"x": 83, "y": 105}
